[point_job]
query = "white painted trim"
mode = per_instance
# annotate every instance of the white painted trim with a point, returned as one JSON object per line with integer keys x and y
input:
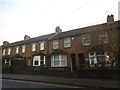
{"x": 52, "y": 61}
{"x": 36, "y": 58}
{"x": 3, "y": 51}
{"x": 33, "y": 47}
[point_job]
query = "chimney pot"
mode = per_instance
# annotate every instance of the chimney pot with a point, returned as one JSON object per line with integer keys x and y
{"x": 58, "y": 30}
{"x": 110, "y": 18}
{"x": 26, "y": 37}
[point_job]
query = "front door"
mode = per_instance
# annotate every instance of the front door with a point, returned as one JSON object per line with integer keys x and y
{"x": 73, "y": 62}
{"x": 81, "y": 60}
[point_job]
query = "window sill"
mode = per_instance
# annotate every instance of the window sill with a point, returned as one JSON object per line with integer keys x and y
{"x": 67, "y": 47}
{"x": 36, "y": 65}
{"x": 86, "y": 44}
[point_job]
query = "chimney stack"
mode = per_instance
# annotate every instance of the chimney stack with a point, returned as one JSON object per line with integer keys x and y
{"x": 5, "y": 42}
{"x": 58, "y": 30}
{"x": 26, "y": 37}
{"x": 110, "y": 18}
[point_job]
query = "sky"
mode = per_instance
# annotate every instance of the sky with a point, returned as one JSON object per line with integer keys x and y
{"x": 40, "y": 17}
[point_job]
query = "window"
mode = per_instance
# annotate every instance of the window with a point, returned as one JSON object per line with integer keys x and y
{"x": 7, "y": 61}
{"x": 55, "y": 44}
{"x": 17, "y": 49}
{"x": 58, "y": 60}
{"x": 42, "y": 60}
{"x": 3, "y": 51}
{"x": 33, "y": 47}
{"x": 67, "y": 42}
{"x": 42, "y": 44}
{"x": 86, "y": 39}
{"x": 93, "y": 59}
{"x": 23, "y": 49}
{"x": 101, "y": 60}
{"x": 98, "y": 59}
{"x": 36, "y": 61}
{"x": 9, "y": 50}
{"x": 103, "y": 37}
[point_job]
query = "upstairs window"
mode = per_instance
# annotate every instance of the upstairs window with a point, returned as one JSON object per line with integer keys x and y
{"x": 55, "y": 44}
{"x": 9, "y": 50}
{"x": 103, "y": 38}
{"x": 3, "y": 51}
{"x": 17, "y": 49}
{"x": 86, "y": 39}
{"x": 33, "y": 46}
{"x": 67, "y": 42}
{"x": 23, "y": 48}
{"x": 42, "y": 45}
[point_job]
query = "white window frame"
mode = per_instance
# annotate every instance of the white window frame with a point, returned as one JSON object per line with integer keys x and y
{"x": 8, "y": 62}
{"x": 55, "y": 44}
{"x": 33, "y": 46}
{"x": 86, "y": 37}
{"x": 59, "y": 60}
{"x": 103, "y": 37}
{"x": 4, "y": 51}
{"x": 9, "y": 51}
{"x": 42, "y": 60}
{"x": 96, "y": 60}
{"x": 67, "y": 42}
{"x": 90, "y": 60}
{"x": 42, "y": 45}
{"x": 23, "y": 48}
{"x": 36, "y": 58}
{"x": 17, "y": 49}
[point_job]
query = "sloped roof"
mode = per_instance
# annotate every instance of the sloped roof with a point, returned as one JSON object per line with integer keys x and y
{"x": 81, "y": 31}
{"x": 31, "y": 40}
{"x": 70, "y": 33}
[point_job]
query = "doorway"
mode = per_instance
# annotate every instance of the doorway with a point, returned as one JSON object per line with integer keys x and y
{"x": 73, "y": 62}
{"x": 81, "y": 58}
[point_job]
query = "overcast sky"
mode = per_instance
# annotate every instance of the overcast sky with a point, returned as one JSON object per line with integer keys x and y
{"x": 40, "y": 17}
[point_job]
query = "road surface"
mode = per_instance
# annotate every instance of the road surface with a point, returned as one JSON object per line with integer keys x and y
{"x": 7, "y": 83}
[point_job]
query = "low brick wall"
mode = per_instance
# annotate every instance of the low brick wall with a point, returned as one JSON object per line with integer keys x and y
{"x": 85, "y": 73}
{"x": 99, "y": 73}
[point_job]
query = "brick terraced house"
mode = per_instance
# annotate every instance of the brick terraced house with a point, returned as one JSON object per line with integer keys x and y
{"x": 88, "y": 47}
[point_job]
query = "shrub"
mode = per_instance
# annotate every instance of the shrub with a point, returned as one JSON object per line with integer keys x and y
{"x": 5, "y": 68}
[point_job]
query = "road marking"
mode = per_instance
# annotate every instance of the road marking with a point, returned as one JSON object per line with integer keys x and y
{"x": 60, "y": 85}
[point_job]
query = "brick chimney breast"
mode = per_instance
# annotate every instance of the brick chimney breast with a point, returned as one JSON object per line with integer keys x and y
{"x": 110, "y": 18}
{"x": 58, "y": 30}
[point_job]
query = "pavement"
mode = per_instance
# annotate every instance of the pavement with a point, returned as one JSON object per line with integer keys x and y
{"x": 94, "y": 83}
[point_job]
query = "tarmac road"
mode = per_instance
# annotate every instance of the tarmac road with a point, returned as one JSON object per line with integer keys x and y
{"x": 56, "y": 82}
{"x": 7, "y": 83}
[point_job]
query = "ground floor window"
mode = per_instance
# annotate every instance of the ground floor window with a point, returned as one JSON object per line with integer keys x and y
{"x": 7, "y": 61}
{"x": 97, "y": 59}
{"x": 38, "y": 60}
{"x": 92, "y": 59}
{"x": 58, "y": 60}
